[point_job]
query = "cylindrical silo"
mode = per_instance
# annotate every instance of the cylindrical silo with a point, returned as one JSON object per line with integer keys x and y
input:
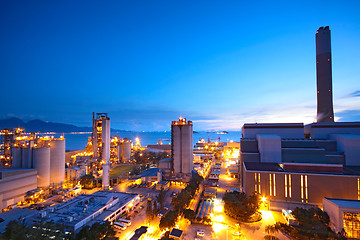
{"x": 16, "y": 157}
{"x": 57, "y": 161}
{"x": 27, "y": 157}
{"x": 119, "y": 151}
{"x": 126, "y": 151}
{"x": 41, "y": 160}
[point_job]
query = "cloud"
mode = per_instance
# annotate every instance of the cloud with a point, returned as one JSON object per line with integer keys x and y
{"x": 355, "y": 94}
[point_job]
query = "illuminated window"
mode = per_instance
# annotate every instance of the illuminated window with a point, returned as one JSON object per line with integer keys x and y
{"x": 289, "y": 186}
{"x": 274, "y": 184}
{"x": 306, "y": 188}
{"x": 302, "y": 187}
{"x": 270, "y": 184}
{"x": 358, "y": 185}
{"x": 286, "y": 186}
{"x": 257, "y": 183}
{"x": 352, "y": 224}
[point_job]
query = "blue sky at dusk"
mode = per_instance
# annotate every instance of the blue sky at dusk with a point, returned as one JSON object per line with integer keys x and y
{"x": 145, "y": 63}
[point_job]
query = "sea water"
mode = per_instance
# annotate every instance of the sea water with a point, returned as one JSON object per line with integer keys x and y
{"x": 78, "y": 141}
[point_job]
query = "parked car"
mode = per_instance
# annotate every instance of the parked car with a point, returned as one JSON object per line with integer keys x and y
{"x": 200, "y": 233}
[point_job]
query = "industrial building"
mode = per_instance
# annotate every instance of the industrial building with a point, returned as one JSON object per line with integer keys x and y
{"x": 290, "y": 170}
{"x": 101, "y": 144}
{"x": 344, "y": 215}
{"x": 182, "y": 147}
{"x": 14, "y": 183}
{"x": 88, "y": 209}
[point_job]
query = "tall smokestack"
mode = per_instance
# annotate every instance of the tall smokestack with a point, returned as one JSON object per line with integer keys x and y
{"x": 325, "y": 112}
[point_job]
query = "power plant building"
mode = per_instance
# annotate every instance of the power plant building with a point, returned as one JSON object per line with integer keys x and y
{"x": 182, "y": 146}
{"x": 293, "y": 171}
{"x": 325, "y": 112}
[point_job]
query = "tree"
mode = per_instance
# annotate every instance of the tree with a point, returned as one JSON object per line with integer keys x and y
{"x": 15, "y": 230}
{"x": 87, "y": 181}
{"x": 161, "y": 198}
{"x": 181, "y": 201}
{"x": 168, "y": 220}
{"x": 149, "y": 211}
{"x": 242, "y": 207}
{"x": 96, "y": 231}
{"x": 155, "y": 209}
{"x": 189, "y": 214}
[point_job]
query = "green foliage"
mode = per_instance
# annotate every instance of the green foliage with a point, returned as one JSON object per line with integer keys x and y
{"x": 240, "y": 206}
{"x": 96, "y": 231}
{"x": 313, "y": 224}
{"x": 189, "y": 214}
{"x": 311, "y": 217}
{"x": 87, "y": 181}
{"x": 149, "y": 157}
{"x": 168, "y": 220}
{"x": 149, "y": 211}
{"x": 182, "y": 200}
{"x": 45, "y": 230}
{"x": 161, "y": 198}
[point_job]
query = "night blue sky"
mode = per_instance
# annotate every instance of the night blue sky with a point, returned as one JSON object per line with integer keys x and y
{"x": 218, "y": 63}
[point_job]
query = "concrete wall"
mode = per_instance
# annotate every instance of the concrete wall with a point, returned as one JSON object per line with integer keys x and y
{"x": 14, "y": 184}
{"x": 269, "y": 147}
{"x": 336, "y": 219}
{"x": 328, "y": 145}
{"x": 249, "y": 145}
{"x": 303, "y": 155}
{"x": 286, "y": 130}
{"x": 350, "y": 145}
{"x": 325, "y": 130}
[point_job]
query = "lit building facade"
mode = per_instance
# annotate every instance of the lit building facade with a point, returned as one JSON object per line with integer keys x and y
{"x": 344, "y": 215}
{"x": 182, "y": 146}
{"x": 101, "y": 144}
{"x": 300, "y": 171}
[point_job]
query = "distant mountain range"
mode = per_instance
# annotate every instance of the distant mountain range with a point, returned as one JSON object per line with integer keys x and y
{"x": 41, "y": 126}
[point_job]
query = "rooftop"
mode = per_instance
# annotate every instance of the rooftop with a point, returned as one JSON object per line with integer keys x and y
{"x": 345, "y": 203}
{"x": 273, "y": 125}
{"x": 149, "y": 173}
{"x": 176, "y": 233}
{"x": 75, "y": 210}
{"x": 14, "y": 214}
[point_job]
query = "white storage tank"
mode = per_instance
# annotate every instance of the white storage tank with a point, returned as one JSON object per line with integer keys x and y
{"x": 41, "y": 161}
{"x": 57, "y": 161}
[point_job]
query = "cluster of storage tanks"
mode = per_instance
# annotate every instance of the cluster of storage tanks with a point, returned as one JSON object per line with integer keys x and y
{"x": 46, "y": 155}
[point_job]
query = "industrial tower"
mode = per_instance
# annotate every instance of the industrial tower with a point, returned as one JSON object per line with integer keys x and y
{"x": 325, "y": 112}
{"x": 101, "y": 144}
{"x": 182, "y": 146}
